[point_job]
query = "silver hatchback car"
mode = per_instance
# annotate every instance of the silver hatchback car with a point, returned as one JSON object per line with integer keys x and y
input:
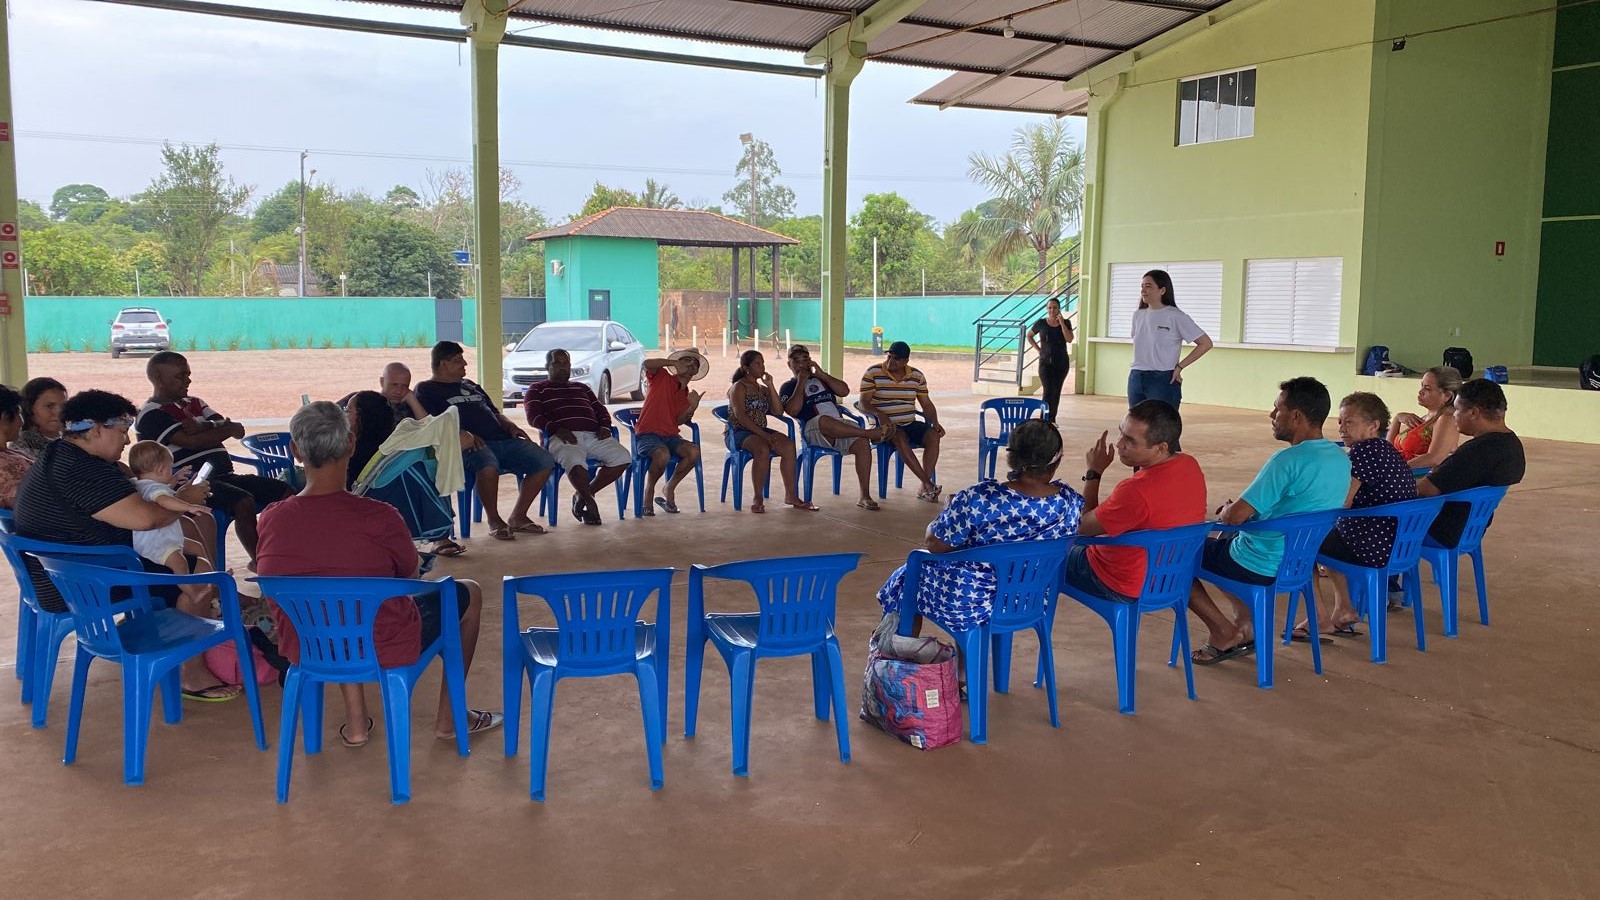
{"x": 605, "y": 356}
{"x": 139, "y": 328}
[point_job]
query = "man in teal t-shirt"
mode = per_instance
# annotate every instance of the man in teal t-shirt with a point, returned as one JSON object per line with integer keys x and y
{"x": 1310, "y": 474}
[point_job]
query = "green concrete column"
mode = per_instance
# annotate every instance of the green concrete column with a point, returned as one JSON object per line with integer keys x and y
{"x": 486, "y": 22}
{"x": 13, "y": 332}
{"x": 844, "y": 61}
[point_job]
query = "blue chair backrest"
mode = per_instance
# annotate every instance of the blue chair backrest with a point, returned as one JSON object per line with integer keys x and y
{"x": 1303, "y": 534}
{"x": 596, "y": 612}
{"x": 1482, "y": 502}
{"x": 333, "y": 617}
{"x": 628, "y": 416}
{"x": 1171, "y": 555}
{"x": 1027, "y": 575}
{"x": 721, "y": 412}
{"x": 17, "y": 548}
{"x": 8, "y": 520}
{"x": 272, "y": 448}
{"x": 796, "y": 595}
{"x": 1011, "y": 411}
{"x": 86, "y": 587}
{"x": 1412, "y": 518}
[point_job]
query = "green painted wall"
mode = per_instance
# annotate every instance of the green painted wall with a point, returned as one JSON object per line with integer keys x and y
{"x": 626, "y": 267}
{"x": 1455, "y": 164}
{"x": 1567, "y": 327}
{"x": 1294, "y": 189}
{"x": 941, "y": 321}
{"x": 244, "y": 323}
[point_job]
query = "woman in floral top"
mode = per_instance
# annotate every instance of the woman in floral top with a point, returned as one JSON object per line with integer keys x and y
{"x": 13, "y": 463}
{"x": 1028, "y": 506}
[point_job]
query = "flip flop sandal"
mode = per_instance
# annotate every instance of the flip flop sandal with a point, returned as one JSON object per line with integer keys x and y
{"x": 356, "y": 745}
{"x": 502, "y": 533}
{"x": 1219, "y": 655}
{"x": 758, "y": 507}
{"x": 667, "y": 505}
{"x": 806, "y": 505}
{"x": 206, "y": 695}
{"x": 528, "y": 527}
{"x": 1348, "y": 630}
{"x": 868, "y": 503}
{"x": 448, "y": 548}
{"x": 1302, "y": 636}
{"x": 478, "y": 721}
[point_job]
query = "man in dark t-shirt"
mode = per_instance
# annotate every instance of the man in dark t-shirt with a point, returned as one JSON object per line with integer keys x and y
{"x": 490, "y": 442}
{"x": 197, "y": 434}
{"x": 1492, "y": 458}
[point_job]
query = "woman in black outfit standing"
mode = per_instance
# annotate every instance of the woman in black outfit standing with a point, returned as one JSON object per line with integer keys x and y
{"x": 1050, "y": 337}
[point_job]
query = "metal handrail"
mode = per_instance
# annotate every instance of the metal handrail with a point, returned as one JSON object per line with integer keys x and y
{"x": 1005, "y": 335}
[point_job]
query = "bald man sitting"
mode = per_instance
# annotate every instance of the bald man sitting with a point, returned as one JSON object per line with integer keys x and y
{"x": 395, "y": 385}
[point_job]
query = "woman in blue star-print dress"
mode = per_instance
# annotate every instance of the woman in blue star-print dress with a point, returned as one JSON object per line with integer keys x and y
{"x": 1028, "y": 506}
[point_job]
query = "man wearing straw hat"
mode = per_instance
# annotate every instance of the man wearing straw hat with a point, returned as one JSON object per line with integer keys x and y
{"x": 668, "y": 405}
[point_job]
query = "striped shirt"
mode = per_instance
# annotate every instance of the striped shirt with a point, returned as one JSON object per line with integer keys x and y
{"x": 569, "y": 406}
{"x": 895, "y": 398}
{"x": 159, "y": 422}
{"x": 57, "y": 501}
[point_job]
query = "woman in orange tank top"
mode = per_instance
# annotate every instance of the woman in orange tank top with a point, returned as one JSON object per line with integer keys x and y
{"x": 1426, "y": 440}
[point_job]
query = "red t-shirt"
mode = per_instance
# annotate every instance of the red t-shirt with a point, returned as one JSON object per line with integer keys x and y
{"x": 1164, "y": 496}
{"x": 665, "y": 402}
{"x": 342, "y": 535}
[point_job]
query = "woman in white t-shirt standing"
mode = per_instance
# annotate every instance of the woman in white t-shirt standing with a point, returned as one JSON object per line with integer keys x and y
{"x": 1160, "y": 329}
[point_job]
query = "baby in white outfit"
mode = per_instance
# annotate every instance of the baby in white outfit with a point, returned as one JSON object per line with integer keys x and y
{"x": 151, "y": 463}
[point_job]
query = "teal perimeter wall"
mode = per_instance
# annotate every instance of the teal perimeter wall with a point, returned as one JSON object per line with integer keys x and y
{"x": 57, "y": 324}
{"x": 929, "y": 321}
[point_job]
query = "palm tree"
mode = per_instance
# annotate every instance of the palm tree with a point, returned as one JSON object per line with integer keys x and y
{"x": 1036, "y": 194}
{"x": 658, "y": 196}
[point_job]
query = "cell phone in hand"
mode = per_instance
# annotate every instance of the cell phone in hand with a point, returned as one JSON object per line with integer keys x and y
{"x": 202, "y": 475}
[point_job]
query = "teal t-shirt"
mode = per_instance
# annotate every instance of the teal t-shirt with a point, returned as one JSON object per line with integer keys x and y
{"x": 1309, "y": 476}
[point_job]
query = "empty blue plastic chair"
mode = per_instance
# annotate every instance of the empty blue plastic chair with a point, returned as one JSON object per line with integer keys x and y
{"x": 333, "y": 619}
{"x": 597, "y": 632}
{"x": 1009, "y": 413}
{"x": 1368, "y": 594}
{"x": 738, "y": 458}
{"x": 640, "y": 470}
{"x": 796, "y": 598}
{"x": 272, "y": 458}
{"x": 149, "y": 643}
{"x": 1172, "y": 555}
{"x": 885, "y": 452}
{"x": 550, "y": 496}
{"x": 807, "y": 455}
{"x": 1445, "y": 560}
{"x": 1027, "y": 575}
{"x": 1303, "y": 534}
{"x": 40, "y": 631}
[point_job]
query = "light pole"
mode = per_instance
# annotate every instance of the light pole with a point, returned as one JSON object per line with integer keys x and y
{"x": 748, "y": 140}
{"x": 342, "y": 291}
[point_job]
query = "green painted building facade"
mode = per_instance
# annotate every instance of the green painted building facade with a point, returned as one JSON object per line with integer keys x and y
{"x": 590, "y": 277}
{"x": 1401, "y": 145}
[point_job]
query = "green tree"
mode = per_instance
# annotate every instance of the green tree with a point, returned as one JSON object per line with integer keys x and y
{"x": 31, "y": 216}
{"x": 150, "y": 261}
{"x": 522, "y": 271}
{"x": 391, "y": 257}
{"x": 758, "y": 196}
{"x": 801, "y": 264}
{"x": 277, "y": 213}
{"x": 658, "y": 196}
{"x": 190, "y": 202}
{"x": 895, "y": 225}
{"x": 402, "y": 198}
{"x": 65, "y": 261}
{"x": 604, "y": 197}
{"x": 1036, "y": 191}
{"x": 71, "y": 196}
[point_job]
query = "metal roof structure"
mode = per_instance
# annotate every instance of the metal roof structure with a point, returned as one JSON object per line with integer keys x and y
{"x": 1004, "y": 54}
{"x": 669, "y": 227}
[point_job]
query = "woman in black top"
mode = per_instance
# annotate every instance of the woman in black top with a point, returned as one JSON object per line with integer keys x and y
{"x": 1050, "y": 337}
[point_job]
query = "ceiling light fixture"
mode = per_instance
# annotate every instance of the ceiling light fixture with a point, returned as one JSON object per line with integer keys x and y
{"x": 1008, "y": 31}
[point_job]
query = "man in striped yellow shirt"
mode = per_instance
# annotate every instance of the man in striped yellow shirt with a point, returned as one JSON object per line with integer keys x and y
{"x": 892, "y": 390}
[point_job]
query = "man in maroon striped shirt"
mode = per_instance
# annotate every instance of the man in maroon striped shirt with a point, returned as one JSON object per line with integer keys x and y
{"x": 580, "y": 432}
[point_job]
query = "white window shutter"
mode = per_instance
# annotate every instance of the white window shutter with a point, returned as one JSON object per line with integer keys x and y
{"x": 1317, "y": 287}
{"x": 1198, "y": 286}
{"x": 1269, "y": 301}
{"x": 1123, "y": 298}
{"x": 1293, "y": 302}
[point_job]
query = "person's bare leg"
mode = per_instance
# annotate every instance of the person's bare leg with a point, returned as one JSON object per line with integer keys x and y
{"x": 193, "y": 674}
{"x": 659, "y": 457}
{"x": 786, "y": 466}
{"x": 908, "y": 454}
{"x": 1341, "y": 611}
{"x": 578, "y": 477}
{"x": 606, "y": 477}
{"x": 760, "y": 468}
{"x": 832, "y": 428}
{"x": 531, "y": 486}
{"x": 862, "y": 451}
{"x": 688, "y": 458}
{"x": 487, "y": 484}
{"x": 355, "y": 728}
{"x": 201, "y": 529}
{"x": 1221, "y": 632}
{"x": 244, "y": 525}
{"x": 471, "y": 621}
{"x": 930, "y": 456}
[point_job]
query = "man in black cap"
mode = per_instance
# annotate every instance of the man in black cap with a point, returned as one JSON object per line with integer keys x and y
{"x": 892, "y": 390}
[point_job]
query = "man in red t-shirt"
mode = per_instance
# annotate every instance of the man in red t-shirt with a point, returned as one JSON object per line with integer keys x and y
{"x": 668, "y": 405}
{"x": 1166, "y": 490}
{"x": 327, "y": 531}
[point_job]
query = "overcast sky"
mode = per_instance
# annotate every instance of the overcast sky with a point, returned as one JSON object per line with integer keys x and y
{"x": 97, "y": 86}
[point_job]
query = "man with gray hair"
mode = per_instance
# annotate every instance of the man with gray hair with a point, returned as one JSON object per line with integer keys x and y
{"x": 326, "y": 531}
{"x": 394, "y": 383}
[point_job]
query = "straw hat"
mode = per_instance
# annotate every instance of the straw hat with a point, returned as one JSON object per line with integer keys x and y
{"x": 702, "y": 365}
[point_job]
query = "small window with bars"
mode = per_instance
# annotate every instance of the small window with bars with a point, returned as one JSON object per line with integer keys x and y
{"x": 1218, "y": 107}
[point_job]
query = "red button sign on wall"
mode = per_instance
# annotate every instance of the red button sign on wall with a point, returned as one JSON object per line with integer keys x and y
{"x": 5, "y": 304}
{"x": 5, "y": 132}
{"x": 1499, "y": 248}
{"x": 8, "y": 231}
{"x": 8, "y": 259}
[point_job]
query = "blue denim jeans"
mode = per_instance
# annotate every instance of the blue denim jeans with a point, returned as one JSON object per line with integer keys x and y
{"x": 1144, "y": 384}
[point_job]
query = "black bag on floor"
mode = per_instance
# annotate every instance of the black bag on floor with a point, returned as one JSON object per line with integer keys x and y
{"x": 1460, "y": 359}
{"x": 1589, "y": 373}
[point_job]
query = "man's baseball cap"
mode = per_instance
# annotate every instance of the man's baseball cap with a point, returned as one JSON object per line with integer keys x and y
{"x": 900, "y": 350}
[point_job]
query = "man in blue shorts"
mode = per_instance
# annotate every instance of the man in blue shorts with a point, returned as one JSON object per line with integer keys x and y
{"x": 490, "y": 443}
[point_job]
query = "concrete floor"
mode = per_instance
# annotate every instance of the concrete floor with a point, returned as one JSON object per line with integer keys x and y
{"x": 1468, "y": 771}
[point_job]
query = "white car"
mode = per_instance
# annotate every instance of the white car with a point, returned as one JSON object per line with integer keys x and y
{"x": 605, "y": 356}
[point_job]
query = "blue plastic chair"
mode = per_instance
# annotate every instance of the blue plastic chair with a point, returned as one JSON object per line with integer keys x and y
{"x": 40, "y": 631}
{"x": 597, "y": 633}
{"x": 1367, "y": 584}
{"x": 1172, "y": 555}
{"x": 1444, "y": 560}
{"x": 550, "y": 496}
{"x": 807, "y": 455}
{"x": 1009, "y": 413}
{"x": 1027, "y": 576}
{"x": 1303, "y": 534}
{"x": 333, "y": 618}
{"x": 885, "y": 452}
{"x": 149, "y": 643}
{"x": 272, "y": 458}
{"x": 796, "y": 598}
{"x": 738, "y": 458}
{"x": 640, "y": 470}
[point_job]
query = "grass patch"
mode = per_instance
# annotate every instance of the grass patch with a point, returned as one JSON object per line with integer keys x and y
{"x": 273, "y": 343}
{"x": 327, "y": 342}
{"x": 237, "y": 342}
{"x": 421, "y": 338}
{"x": 211, "y": 344}
{"x": 43, "y": 345}
{"x": 293, "y": 342}
{"x": 191, "y": 343}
